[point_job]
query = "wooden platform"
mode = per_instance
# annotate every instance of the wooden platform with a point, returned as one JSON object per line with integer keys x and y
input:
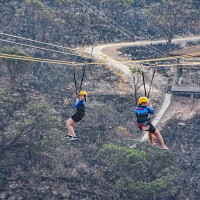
{"x": 185, "y": 88}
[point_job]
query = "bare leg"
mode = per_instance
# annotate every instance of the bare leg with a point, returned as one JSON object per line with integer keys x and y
{"x": 69, "y": 123}
{"x": 151, "y": 139}
{"x": 160, "y": 139}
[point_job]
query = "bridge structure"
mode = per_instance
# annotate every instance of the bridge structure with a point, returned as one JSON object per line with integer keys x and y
{"x": 185, "y": 89}
{"x": 181, "y": 83}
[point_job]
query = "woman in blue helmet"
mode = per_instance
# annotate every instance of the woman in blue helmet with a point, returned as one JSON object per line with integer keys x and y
{"x": 143, "y": 112}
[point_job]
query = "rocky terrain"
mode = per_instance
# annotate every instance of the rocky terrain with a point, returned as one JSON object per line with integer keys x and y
{"x": 41, "y": 169}
{"x": 73, "y": 170}
{"x": 36, "y": 161}
{"x": 180, "y": 129}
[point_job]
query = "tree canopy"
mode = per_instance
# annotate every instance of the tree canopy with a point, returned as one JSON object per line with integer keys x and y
{"x": 140, "y": 171}
{"x": 171, "y": 17}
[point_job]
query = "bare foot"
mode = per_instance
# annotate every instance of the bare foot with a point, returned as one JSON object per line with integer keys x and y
{"x": 165, "y": 148}
{"x": 153, "y": 144}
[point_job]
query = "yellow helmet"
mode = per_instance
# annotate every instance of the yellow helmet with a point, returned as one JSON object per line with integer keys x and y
{"x": 84, "y": 93}
{"x": 142, "y": 100}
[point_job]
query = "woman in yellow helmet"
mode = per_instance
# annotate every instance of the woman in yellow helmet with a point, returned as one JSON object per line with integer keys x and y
{"x": 143, "y": 112}
{"x": 77, "y": 116}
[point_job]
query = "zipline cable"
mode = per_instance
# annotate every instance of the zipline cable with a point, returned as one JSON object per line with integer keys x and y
{"x": 155, "y": 20}
{"x": 75, "y": 80}
{"x": 150, "y": 60}
{"x": 151, "y": 82}
{"x": 22, "y": 38}
{"x": 32, "y": 46}
{"x": 27, "y": 58}
{"x": 138, "y": 13}
{"x": 167, "y": 58}
{"x": 17, "y": 57}
{"x": 106, "y": 20}
{"x": 145, "y": 92}
{"x": 154, "y": 49}
{"x": 82, "y": 77}
{"x": 125, "y": 60}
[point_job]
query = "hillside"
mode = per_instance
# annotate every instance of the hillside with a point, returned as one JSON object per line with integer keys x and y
{"x": 37, "y": 162}
{"x": 40, "y": 163}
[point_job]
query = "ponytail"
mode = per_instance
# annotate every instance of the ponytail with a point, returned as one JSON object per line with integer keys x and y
{"x": 85, "y": 98}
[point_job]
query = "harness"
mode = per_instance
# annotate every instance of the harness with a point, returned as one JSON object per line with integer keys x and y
{"x": 81, "y": 108}
{"x": 142, "y": 117}
{"x": 143, "y": 126}
{"x": 143, "y": 120}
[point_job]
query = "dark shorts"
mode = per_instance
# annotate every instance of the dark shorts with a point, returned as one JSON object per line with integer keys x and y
{"x": 78, "y": 116}
{"x": 152, "y": 128}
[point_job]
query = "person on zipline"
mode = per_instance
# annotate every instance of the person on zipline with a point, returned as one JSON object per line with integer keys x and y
{"x": 143, "y": 112}
{"x": 77, "y": 116}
